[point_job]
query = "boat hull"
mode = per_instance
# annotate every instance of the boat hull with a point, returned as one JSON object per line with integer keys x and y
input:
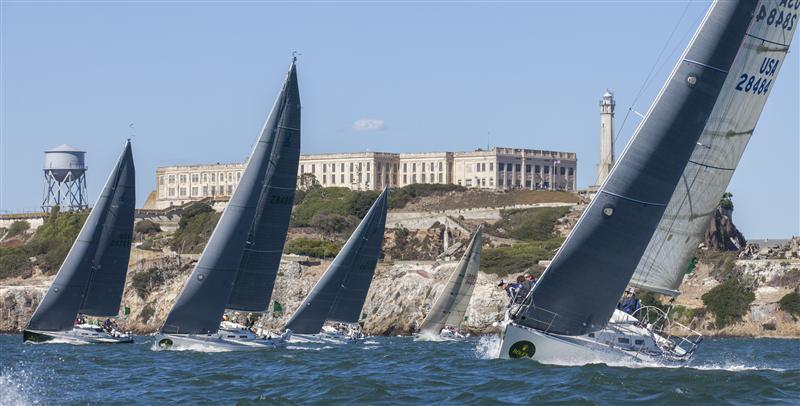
{"x": 520, "y": 342}
{"x": 324, "y": 338}
{"x": 75, "y": 336}
{"x": 221, "y": 341}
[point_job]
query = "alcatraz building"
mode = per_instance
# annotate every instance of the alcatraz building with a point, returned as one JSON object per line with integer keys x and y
{"x": 498, "y": 168}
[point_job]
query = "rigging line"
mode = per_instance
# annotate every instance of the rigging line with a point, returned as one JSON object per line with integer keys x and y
{"x": 650, "y": 74}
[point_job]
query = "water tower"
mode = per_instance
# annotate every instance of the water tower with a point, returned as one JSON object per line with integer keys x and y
{"x": 64, "y": 179}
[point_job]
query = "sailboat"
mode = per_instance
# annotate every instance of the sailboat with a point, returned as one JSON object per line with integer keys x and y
{"x": 647, "y": 219}
{"x": 340, "y": 293}
{"x": 92, "y": 278}
{"x": 238, "y": 266}
{"x": 447, "y": 313}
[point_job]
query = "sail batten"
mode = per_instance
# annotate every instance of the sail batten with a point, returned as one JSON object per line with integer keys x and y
{"x": 340, "y": 293}
{"x": 579, "y": 290}
{"x": 92, "y": 278}
{"x": 228, "y": 273}
{"x": 451, "y": 305}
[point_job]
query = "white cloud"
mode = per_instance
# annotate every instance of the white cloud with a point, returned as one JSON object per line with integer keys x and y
{"x": 368, "y": 124}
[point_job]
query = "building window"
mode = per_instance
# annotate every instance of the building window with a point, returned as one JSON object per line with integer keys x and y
{"x": 527, "y": 169}
{"x": 213, "y": 177}
{"x": 422, "y": 177}
{"x": 571, "y": 171}
{"x": 194, "y": 190}
{"x": 195, "y": 178}
{"x": 171, "y": 191}
{"x": 469, "y": 182}
{"x": 351, "y": 167}
{"x": 302, "y": 169}
{"x": 440, "y": 178}
{"x": 161, "y": 180}
{"x": 333, "y": 178}
{"x": 213, "y": 190}
{"x": 351, "y": 177}
{"x": 238, "y": 176}
{"x": 342, "y": 169}
{"x": 491, "y": 166}
{"x": 333, "y": 167}
{"x": 341, "y": 177}
{"x": 324, "y": 168}
{"x": 367, "y": 166}
{"x": 324, "y": 177}
{"x": 183, "y": 191}
{"x": 313, "y": 168}
{"x": 171, "y": 179}
{"x": 546, "y": 170}
{"x": 405, "y": 179}
{"x": 537, "y": 169}
{"x": 517, "y": 167}
{"x": 414, "y": 167}
{"x": 205, "y": 190}
{"x": 205, "y": 177}
{"x": 563, "y": 170}
{"x": 405, "y": 167}
{"x": 230, "y": 189}
{"x": 413, "y": 178}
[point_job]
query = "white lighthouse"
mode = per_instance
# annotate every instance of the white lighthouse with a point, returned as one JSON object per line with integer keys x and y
{"x": 606, "y": 137}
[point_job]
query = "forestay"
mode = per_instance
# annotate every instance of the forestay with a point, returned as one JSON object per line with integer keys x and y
{"x": 92, "y": 277}
{"x": 451, "y": 305}
{"x": 340, "y": 293}
{"x": 717, "y": 153}
{"x": 578, "y": 292}
{"x": 202, "y": 301}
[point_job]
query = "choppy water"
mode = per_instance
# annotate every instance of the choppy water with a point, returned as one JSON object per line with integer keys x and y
{"x": 386, "y": 370}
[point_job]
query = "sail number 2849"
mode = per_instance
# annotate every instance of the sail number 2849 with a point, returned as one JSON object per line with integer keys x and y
{"x": 760, "y": 83}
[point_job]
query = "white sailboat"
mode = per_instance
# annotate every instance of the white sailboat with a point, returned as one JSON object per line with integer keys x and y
{"x": 238, "y": 266}
{"x": 648, "y": 217}
{"x": 447, "y": 313}
{"x": 92, "y": 278}
{"x": 339, "y": 295}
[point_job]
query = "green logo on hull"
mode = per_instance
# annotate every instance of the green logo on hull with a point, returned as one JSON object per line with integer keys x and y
{"x": 522, "y": 349}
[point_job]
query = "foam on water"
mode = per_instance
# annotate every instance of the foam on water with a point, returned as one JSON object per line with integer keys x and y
{"x": 16, "y": 387}
{"x": 429, "y": 336}
{"x": 488, "y": 347}
{"x": 190, "y": 347}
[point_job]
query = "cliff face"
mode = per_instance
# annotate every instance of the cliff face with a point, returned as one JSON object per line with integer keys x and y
{"x": 399, "y": 298}
{"x": 722, "y": 234}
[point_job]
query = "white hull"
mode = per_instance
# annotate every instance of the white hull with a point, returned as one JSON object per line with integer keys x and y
{"x": 324, "y": 338}
{"x": 622, "y": 341}
{"x": 230, "y": 337}
{"x": 82, "y": 334}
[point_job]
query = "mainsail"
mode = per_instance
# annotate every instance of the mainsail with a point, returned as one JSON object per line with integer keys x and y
{"x": 200, "y": 306}
{"x": 92, "y": 277}
{"x": 718, "y": 150}
{"x": 579, "y": 290}
{"x": 451, "y": 305}
{"x": 340, "y": 293}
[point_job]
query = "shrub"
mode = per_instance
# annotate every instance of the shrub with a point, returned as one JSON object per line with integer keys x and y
{"x": 54, "y": 238}
{"x": 790, "y": 303}
{"x": 313, "y": 247}
{"x": 400, "y": 197}
{"x": 529, "y": 224}
{"x": 144, "y": 282}
{"x": 194, "y": 229}
{"x": 334, "y": 223}
{"x": 147, "y": 227}
{"x": 729, "y": 301}
{"x": 518, "y": 258}
{"x": 14, "y": 263}
{"x": 18, "y": 227}
{"x": 147, "y": 312}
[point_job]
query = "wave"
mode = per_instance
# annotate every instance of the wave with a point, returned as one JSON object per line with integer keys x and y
{"x": 190, "y": 347}
{"x": 488, "y": 347}
{"x": 17, "y": 387}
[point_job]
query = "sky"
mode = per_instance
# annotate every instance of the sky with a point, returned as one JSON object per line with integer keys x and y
{"x": 197, "y": 80}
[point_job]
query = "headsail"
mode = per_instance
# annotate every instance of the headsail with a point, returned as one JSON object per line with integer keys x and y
{"x": 199, "y": 307}
{"x": 92, "y": 277}
{"x": 718, "y": 150}
{"x": 262, "y": 253}
{"x": 340, "y": 293}
{"x": 451, "y": 305}
{"x": 578, "y": 292}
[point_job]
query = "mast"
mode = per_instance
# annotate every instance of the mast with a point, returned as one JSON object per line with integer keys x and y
{"x": 92, "y": 277}
{"x": 202, "y": 301}
{"x": 578, "y": 292}
{"x": 340, "y": 293}
{"x": 451, "y": 305}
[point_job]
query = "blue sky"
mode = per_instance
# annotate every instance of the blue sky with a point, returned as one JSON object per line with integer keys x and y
{"x": 197, "y": 80}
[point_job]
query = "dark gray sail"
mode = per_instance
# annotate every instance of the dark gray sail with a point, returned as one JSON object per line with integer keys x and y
{"x": 340, "y": 293}
{"x": 578, "y": 292}
{"x": 92, "y": 277}
{"x": 451, "y": 305}
{"x": 262, "y": 253}
{"x": 200, "y": 306}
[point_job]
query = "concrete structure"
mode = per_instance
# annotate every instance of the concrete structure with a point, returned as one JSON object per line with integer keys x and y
{"x": 64, "y": 179}
{"x": 606, "y": 137}
{"x": 497, "y": 169}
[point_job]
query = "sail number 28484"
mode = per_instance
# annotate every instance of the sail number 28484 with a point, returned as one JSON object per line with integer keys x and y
{"x": 760, "y": 83}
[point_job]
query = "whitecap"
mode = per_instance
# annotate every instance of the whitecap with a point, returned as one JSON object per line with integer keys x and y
{"x": 488, "y": 347}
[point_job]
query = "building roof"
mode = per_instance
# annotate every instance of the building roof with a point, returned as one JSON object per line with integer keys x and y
{"x": 64, "y": 148}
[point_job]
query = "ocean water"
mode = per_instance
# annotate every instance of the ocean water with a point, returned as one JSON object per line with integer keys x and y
{"x": 387, "y": 370}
